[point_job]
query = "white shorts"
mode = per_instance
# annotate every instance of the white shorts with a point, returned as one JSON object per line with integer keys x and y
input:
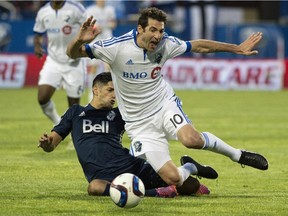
{"x": 152, "y": 134}
{"x": 70, "y": 76}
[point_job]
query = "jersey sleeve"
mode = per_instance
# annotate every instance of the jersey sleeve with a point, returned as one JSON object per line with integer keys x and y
{"x": 176, "y": 47}
{"x": 98, "y": 50}
{"x": 66, "y": 123}
{"x": 39, "y": 27}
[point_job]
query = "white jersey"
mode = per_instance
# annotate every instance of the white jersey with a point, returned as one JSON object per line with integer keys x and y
{"x": 61, "y": 27}
{"x": 102, "y": 16}
{"x": 140, "y": 89}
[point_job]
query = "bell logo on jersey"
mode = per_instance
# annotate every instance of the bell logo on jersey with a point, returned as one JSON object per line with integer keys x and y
{"x": 98, "y": 128}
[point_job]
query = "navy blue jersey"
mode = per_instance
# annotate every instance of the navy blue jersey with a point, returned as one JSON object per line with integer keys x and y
{"x": 96, "y": 135}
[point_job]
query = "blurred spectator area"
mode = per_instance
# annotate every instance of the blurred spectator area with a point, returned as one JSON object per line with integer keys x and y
{"x": 234, "y": 21}
{"x": 254, "y": 11}
{"x": 8, "y": 11}
{"x": 251, "y": 11}
{"x": 19, "y": 10}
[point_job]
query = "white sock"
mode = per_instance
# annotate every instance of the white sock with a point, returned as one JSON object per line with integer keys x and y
{"x": 213, "y": 143}
{"x": 186, "y": 170}
{"x": 49, "y": 110}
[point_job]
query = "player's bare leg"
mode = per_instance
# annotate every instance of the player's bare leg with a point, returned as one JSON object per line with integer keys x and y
{"x": 170, "y": 174}
{"x": 72, "y": 101}
{"x": 173, "y": 175}
{"x": 97, "y": 187}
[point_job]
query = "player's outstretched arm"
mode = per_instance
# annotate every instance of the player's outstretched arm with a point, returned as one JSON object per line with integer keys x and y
{"x": 210, "y": 46}
{"x": 86, "y": 34}
{"x": 49, "y": 143}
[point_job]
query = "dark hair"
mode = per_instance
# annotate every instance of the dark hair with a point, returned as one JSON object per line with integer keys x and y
{"x": 102, "y": 78}
{"x": 153, "y": 13}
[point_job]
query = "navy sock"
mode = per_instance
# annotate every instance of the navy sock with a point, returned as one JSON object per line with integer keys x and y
{"x": 106, "y": 191}
{"x": 151, "y": 192}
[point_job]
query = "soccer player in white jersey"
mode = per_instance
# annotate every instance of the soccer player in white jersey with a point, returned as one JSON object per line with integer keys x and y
{"x": 148, "y": 104}
{"x": 60, "y": 21}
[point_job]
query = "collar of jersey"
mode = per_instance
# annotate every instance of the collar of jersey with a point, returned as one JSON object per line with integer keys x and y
{"x": 135, "y": 36}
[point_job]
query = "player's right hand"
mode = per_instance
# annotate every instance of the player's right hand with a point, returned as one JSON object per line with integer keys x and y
{"x": 39, "y": 52}
{"x": 88, "y": 31}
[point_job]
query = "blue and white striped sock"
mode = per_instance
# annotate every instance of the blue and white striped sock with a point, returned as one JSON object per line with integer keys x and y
{"x": 213, "y": 143}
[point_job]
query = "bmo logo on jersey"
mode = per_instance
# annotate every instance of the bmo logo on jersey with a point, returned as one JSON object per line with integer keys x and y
{"x": 156, "y": 72}
{"x": 98, "y": 128}
{"x": 135, "y": 75}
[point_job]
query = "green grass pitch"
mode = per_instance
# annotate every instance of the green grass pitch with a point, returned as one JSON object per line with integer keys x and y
{"x": 33, "y": 182}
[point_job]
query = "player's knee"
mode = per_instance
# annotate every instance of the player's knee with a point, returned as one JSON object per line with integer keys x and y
{"x": 170, "y": 174}
{"x": 72, "y": 101}
{"x": 190, "y": 137}
{"x": 192, "y": 140}
{"x": 42, "y": 100}
{"x": 173, "y": 178}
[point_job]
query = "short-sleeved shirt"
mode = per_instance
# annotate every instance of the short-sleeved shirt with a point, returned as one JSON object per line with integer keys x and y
{"x": 97, "y": 134}
{"x": 61, "y": 27}
{"x": 140, "y": 88}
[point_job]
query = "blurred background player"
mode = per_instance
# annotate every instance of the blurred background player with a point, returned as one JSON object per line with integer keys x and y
{"x": 202, "y": 18}
{"x": 106, "y": 21}
{"x": 202, "y": 15}
{"x": 60, "y": 22}
{"x": 97, "y": 131}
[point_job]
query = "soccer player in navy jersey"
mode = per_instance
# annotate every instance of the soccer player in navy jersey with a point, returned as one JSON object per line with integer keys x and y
{"x": 148, "y": 104}
{"x": 96, "y": 131}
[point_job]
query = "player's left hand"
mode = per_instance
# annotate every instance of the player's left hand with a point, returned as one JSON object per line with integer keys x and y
{"x": 246, "y": 47}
